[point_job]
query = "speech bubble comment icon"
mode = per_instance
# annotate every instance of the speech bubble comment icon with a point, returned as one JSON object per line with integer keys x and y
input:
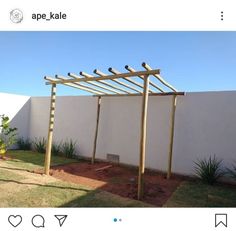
{"x": 38, "y": 221}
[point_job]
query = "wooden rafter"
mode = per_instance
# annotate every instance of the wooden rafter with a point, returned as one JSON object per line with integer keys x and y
{"x": 148, "y": 68}
{"x": 115, "y": 72}
{"x": 81, "y": 86}
{"x": 104, "y": 82}
{"x": 130, "y": 69}
{"x": 96, "y": 71}
{"x": 97, "y": 85}
{"x": 73, "y": 86}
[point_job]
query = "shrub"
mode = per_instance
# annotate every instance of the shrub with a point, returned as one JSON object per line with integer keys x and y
{"x": 40, "y": 145}
{"x": 68, "y": 149}
{"x": 56, "y": 149}
{"x": 232, "y": 171}
{"x": 23, "y": 144}
{"x": 209, "y": 170}
{"x": 7, "y": 134}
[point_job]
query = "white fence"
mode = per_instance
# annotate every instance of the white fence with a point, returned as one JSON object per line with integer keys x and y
{"x": 205, "y": 125}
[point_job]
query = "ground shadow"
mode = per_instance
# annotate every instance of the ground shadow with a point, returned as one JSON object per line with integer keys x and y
{"x": 18, "y": 169}
{"x": 44, "y": 185}
{"x": 99, "y": 198}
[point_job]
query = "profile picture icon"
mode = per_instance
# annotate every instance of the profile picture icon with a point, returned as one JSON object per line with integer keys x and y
{"x": 16, "y": 16}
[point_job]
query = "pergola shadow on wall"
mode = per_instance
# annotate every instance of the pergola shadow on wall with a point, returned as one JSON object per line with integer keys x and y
{"x": 143, "y": 83}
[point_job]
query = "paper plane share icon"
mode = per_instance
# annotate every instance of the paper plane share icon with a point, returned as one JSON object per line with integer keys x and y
{"x": 61, "y": 219}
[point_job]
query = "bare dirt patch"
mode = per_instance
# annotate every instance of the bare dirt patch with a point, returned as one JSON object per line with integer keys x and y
{"x": 119, "y": 180}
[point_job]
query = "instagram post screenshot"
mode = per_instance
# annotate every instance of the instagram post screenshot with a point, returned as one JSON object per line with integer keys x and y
{"x": 117, "y": 115}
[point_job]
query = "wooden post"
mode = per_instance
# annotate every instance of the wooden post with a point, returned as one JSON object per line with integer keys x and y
{"x": 96, "y": 131}
{"x": 50, "y": 130}
{"x": 143, "y": 137}
{"x": 172, "y": 127}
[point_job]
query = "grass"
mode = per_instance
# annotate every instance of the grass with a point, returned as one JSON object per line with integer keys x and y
{"x": 197, "y": 194}
{"x": 21, "y": 188}
{"x": 33, "y": 160}
{"x": 6, "y": 175}
{"x": 69, "y": 195}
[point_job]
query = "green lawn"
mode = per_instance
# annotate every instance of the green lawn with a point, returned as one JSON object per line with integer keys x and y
{"x": 196, "y": 194}
{"x": 6, "y": 175}
{"x": 21, "y": 188}
{"x": 33, "y": 160}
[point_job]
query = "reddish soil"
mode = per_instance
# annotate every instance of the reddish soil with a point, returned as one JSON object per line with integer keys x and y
{"x": 119, "y": 180}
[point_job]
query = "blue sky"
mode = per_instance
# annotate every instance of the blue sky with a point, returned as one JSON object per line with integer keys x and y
{"x": 191, "y": 61}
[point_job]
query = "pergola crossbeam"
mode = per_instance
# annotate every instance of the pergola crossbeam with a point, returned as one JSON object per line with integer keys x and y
{"x": 150, "y": 94}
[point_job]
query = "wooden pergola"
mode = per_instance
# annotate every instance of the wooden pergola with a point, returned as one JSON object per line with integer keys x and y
{"x": 117, "y": 84}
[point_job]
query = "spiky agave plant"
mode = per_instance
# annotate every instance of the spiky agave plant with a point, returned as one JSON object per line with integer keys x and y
{"x": 40, "y": 144}
{"x": 69, "y": 148}
{"x": 56, "y": 148}
{"x": 23, "y": 143}
{"x": 209, "y": 170}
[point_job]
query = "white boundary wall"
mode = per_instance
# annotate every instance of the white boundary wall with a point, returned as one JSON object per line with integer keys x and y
{"x": 74, "y": 119}
{"x": 205, "y": 125}
{"x": 17, "y": 108}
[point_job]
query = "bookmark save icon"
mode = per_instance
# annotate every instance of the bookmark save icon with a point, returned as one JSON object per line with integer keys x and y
{"x": 61, "y": 219}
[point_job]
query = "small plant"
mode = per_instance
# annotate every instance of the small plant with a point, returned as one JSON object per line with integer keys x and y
{"x": 232, "y": 171}
{"x": 40, "y": 145}
{"x": 209, "y": 170}
{"x": 68, "y": 149}
{"x": 24, "y": 144}
{"x": 7, "y": 134}
{"x": 56, "y": 149}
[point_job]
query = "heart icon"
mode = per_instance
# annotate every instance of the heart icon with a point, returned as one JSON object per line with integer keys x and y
{"x": 15, "y": 220}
